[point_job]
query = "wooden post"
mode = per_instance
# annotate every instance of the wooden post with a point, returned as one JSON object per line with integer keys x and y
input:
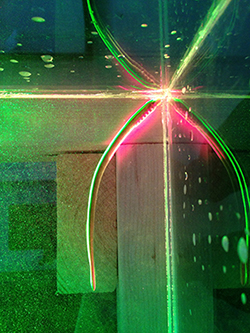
{"x": 142, "y": 297}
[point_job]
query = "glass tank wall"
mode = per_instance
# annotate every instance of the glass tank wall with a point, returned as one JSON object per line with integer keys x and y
{"x": 124, "y": 166}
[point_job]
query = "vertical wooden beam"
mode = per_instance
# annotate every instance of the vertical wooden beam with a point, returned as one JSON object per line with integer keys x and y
{"x": 142, "y": 297}
{"x": 74, "y": 174}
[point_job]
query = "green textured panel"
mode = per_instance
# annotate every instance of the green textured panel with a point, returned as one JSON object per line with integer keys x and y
{"x": 32, "y": 227}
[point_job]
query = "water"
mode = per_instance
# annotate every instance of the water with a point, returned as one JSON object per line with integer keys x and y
{"x": 183, "y": 246}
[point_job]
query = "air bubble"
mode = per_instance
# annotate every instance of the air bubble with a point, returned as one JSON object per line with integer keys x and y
{"x": 173, "y": 32}
{"x": 38, "y": 19}
{"x": 195, "y": 259}
{"x": 242, "y": 250}
{"x": 209, "y": 238}
{"x": 243, "y": 298}
{"x": 224, "y": 268}
{"x": 109, "y": 56}
{"x": 14, "y": 61}
{"x": 194, "y": 239}
{"x": 225, "y": 243}
{"x": 238, "y": 216}
{"x": 185, "y": 189}
{"x": 49, "y": 65}
{"x": 144, "y": 25}
{"x": 184, "y": 205}
{"x": 46, "y": 58}
{"x": 25, "y": 74}
{"x": 200, "y": 202}
{"x": 191, "y": 136}
{"x": 210, "y": 216}
{"x": 186, "y": 175}
{"x": 247, "y": 232}
{"x": 203, "y": 267}
{"x": 199, "y": 180}
{"x": 221, "y": 208}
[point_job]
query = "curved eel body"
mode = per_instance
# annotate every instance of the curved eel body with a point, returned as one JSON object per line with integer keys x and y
{"x": 132, "y": 122}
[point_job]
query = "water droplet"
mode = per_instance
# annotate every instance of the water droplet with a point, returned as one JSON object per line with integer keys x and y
{"x": 19, "y": 44}
{"x": 108, "y": 66}
{"x": 184, "y": 205}
{"x": 166, "y": 56}
{"x": 89, "y": 42}
{"x": 221, "y": 208}
{"x": 178, "y": 38}
{"x": 243, "y": 298}
{"x": 210, "y": 216}
{"x": 194, "y": 239}
{"x": 47, "y": 58}
{"x": 224, "y": 269}
{"x": 184, "y": 215}
{"x": 1, "y": 69}
{"x": 173, "y": 32}
{"x": 192, "y": 206}
{"x": 203, "y": 267}
{"x": 209, "y": 239}
{"x": 195, "y": 259}
{"x": 167, "y": 46}
{"x": 225, "y": 243}
{"x": 199, "y": 180}
{"x": 200, "y": 202}
{"x": 242, "y": 250}
{"x": 23, "y": 73}
{"x": 185, "y": 189}
{"x": 186, "y": 175}
{"x": 38, "y": 19}
{"x": 144, "y": 25}
{"x": 189, "y": 157}
{"x": 94, "y": 33}
{"x": 190, "y": 312}
{"x": 14, "y": 61}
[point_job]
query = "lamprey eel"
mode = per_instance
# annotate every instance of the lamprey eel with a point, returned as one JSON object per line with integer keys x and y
{"x": 131, "y": 123}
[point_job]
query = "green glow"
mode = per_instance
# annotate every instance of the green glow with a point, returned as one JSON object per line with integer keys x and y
{"x": 139, "y": 116}
{"x": 212, "y": 18}
{"x": 119, "y": 54}
{"x": 237, "y": 170}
